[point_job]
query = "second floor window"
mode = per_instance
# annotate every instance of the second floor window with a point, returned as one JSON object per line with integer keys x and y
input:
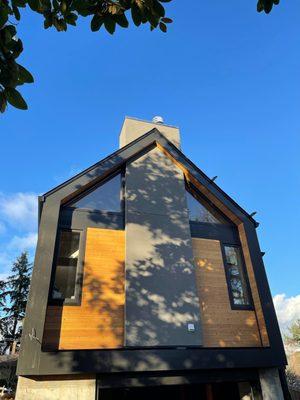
{"x": 66, "y": 271}
{"x": 105, "y": 197}
{"x": 236, "y": 277}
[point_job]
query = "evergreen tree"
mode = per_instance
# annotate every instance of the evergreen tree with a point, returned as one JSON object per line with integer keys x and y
{"x": 14, "y": 294}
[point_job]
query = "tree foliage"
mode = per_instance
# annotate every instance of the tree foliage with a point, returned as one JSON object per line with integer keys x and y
{"x": 293, "y": 337}
{"x": 59, "y": 14}
{"x": 13, "y": 298}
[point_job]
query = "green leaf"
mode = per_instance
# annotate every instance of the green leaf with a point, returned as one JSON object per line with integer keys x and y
{"x": 3, "y": 16}
{"x": 158, "y": 8}
{"x": 3, "y": 102}
{"x": 259, "y": 6}
{"x": 34, "y": 5}
{"x": 16, "y": 13}
{"x": 110, "y": 24}
{"x": 48, "y": 21}
{"x": 167, "y": 20}
{"x": 9, "y": 32}
{"x": 19, "y": 3}
{"x": 122, "y": 20}
{"x": 24, "y": 75}
{"x": 136, "y": 15}
{"x": 163, "y": 27}
{"x": 60, "y": 24}
{"x": 268, "y": 5}
{"x": 15, "y": 98}
{"x": 71, "y": 19}
{"x": 96, "y": 22}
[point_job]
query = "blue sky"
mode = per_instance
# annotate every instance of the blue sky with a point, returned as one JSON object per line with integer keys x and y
{"x": 226, "y": 75}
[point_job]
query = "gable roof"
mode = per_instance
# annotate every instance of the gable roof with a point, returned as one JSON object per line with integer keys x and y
{"x": 154, "y": 137}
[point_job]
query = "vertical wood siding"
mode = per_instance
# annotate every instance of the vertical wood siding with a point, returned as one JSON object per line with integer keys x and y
{"x": 99, "y": 321}
{"x": 222, "y": 326}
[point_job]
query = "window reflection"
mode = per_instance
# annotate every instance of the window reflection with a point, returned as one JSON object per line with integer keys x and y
{"x": 106, "y": 197}
{"x": 238, "y": 286}
{"x": 200, "y": 212}
{"x": 66, "y": 268}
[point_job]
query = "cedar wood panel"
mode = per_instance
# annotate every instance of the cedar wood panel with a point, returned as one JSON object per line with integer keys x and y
{"x": 222, "y": 326}
{"x": 98, "y": 323}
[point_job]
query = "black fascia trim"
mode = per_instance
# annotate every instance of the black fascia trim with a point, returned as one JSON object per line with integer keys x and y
{"x": 167, "y": 359}
{"x": 195, "y": 192}
{"x": 225, "y": 233}
{"x": 191, "y": 165}
{"x": 209, "y": 183}
{"x": 92, "y": 167}
{"x": 141, "y": 379}
{"x": 120, "y": 171}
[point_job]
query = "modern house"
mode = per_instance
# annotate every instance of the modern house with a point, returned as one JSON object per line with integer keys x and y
{"x": 148, "y": 282}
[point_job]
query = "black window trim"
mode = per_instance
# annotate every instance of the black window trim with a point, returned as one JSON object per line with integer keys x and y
{"x": 234, "y": 306}
{"x": 94, "y": 187}
{"x": 79, "y": 270}
{"x": 195, "y": 192}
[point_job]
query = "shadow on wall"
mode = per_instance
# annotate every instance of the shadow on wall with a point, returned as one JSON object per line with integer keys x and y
{"x": 160, "y": 276}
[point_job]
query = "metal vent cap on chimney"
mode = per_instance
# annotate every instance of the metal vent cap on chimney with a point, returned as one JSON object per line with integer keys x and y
{"x": 158, "y": 119}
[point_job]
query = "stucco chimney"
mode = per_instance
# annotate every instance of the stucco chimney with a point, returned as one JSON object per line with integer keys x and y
{"x": 133, "y": 128}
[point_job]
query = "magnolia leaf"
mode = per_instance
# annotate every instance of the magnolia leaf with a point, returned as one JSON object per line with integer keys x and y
{"x": 136, "y": 15}
{"x": 96, "y": 22}
{"x": 122, "y": 20}
{"x": 158, "y": 8}
{"x": 15, "y": 98}
{"x": 167, "y": 20}
{"x": 34, "y": 5}
{"x": 3, "y": 16}
{"x": 163, "y": 27}
{"x": 24, "y": 75}
{"x": 3, "y": 102}
{"x": 110, "y": 24}
{"x": 71, "y": 19}
{"x": 16, "y": 13}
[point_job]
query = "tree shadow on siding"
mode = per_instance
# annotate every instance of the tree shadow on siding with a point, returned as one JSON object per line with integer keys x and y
{"x": 161, "y": 298}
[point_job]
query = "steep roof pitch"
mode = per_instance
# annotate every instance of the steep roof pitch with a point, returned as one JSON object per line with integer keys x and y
{"x": 154, "y": 137}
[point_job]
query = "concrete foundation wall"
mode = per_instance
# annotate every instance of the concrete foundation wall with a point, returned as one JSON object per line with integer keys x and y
{"x": 270, "y": 384}
{"x": 56, "y": 388}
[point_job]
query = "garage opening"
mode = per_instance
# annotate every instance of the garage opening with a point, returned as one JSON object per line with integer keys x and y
{"x": 212, "y": 391}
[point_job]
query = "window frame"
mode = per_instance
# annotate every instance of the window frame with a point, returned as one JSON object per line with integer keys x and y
{"x": 79, "y": 270}
{"x": 234, "y": 306}
{"x": 80, "y": 196}
{"x": 198, "y": 196}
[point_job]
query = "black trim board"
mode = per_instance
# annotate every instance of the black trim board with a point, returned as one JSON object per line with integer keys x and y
{"x": 33, "y": 361}
{"x": 121, "y": 380}
{"x": 142, "y": 360}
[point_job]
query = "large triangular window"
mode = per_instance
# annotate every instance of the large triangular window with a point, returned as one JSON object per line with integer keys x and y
{"x": 104, "y": 197}
{"x": 201, "y": 211}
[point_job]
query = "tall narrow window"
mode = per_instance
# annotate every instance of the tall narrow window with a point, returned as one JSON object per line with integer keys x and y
{"x": 64, "y": 287}
{"x": 236, "y": 279}
{"x": 201, "y": 211}
{"x": 105, "y": 197}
